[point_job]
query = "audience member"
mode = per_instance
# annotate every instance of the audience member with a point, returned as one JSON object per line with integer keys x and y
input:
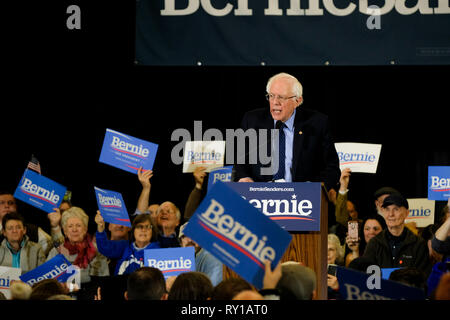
{"x": 20, "y": 290}
{"x": 361, "y": 264}
{"x": 116, "y": 232}
{"x": 16, "y": 250}
{"x": 335, "y": 250}
{"x": 411, "y": 277}
{"x": 441, "y": 239}
{"x": 204, "y": 261}
{"x": 370, "y": 227}
{"x": 379, "y": 197}
{"x": 191, "y": 286}
{"x": 65, "y": 205}
{"x": 143, "y": 206}
{"x": 168, "y": 219}
{"x": 144, "y": 177}
{"x": 129, "y": 252}
{"x": 229, "y": 288}
{"x": 60, "y": 297}
{"x": 397, "y": 246}
{"x": 146, "y": 283}
{"x": 79, "y": 247}
{"x": 438, "y": 270}
{"x": 196, "y": 195}
{"x": 342, "y": 205}
{"x": 34, "y": 233}
{"x": 168, "y": 216}
{"x": 46, "y": 288}
{"x": 248, "y": 295}
{"x": 443, "y": 288}
{"x": 297, "y": 282}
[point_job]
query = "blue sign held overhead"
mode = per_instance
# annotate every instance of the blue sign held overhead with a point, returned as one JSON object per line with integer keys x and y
{"x": 171, "y": 261}
{"x": 219, "y": 174}
{"x": 39, "y": 191}
{"x": 112, "y": 207}
{"x": 126, "y": 152}
{"x": 439, "y": 183}
{"x": 237, "y": 233}
{"x": 293, "y": 206}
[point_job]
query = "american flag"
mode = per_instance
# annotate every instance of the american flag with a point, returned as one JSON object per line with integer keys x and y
{"x": 34, "y": 165}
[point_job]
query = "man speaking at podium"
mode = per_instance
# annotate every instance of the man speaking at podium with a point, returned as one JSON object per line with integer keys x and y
{"x": 305, "y": 145}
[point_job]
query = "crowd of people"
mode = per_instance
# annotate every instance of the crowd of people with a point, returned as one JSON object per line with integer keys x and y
{"x": 111, "y": 260}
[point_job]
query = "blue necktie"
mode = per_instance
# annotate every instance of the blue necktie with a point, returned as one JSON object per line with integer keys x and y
{"x": 281, "y": 150}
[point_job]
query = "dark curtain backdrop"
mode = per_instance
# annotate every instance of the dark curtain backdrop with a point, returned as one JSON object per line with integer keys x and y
{"x": 64, "y": 88}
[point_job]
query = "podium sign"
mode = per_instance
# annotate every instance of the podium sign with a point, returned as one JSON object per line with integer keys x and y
{"x": 308, "y": 246}
{"x": 293, "y": 206}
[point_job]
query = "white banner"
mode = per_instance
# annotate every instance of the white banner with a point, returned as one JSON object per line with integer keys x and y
{"x": 209, "y": 154}
{"x": 7, "y": 275}
{"x": 359, "y": 157}
{"x": 421, "y": 211}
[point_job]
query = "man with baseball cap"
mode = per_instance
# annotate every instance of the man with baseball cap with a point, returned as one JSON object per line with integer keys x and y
{"x": 396, "y": 246}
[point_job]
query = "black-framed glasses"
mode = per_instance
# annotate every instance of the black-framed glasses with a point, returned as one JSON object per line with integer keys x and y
{"x": 271, "y": 97}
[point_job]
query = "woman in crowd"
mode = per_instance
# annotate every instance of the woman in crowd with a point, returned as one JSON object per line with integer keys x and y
{"x": 129, "y": 252}
{"x": 370, "y": 227}
{"x": 78, "y": 246}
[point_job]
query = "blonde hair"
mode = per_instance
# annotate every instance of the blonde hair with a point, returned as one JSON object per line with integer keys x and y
{"x": 20, "y": 290}
{"x": 74, "y": 212}
{"x": 297, "y": 87}
{"x": 333, "y": 239}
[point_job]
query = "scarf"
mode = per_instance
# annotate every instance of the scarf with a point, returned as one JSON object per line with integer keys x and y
{"x": 84, "y": 250}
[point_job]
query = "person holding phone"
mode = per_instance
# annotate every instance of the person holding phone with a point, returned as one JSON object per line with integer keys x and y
{"x": 335, "y": 257}
{"x": 356, "y": 243}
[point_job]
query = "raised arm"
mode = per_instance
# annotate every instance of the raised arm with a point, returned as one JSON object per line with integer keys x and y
{"x": 144, "y": 179}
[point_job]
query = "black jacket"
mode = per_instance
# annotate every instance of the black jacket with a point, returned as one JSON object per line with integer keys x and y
{"x": 314, "y": 155}
{"x": 412, "y": 251}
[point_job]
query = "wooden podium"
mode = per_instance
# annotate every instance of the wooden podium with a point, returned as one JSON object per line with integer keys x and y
{"x": 308, "y": 247}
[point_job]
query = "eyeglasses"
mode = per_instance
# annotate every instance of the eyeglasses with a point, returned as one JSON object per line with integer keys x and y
{"x": 271, "y": 97}
{"x": 143, "y": 227}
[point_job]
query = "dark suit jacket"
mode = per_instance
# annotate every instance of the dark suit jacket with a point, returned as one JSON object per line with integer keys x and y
{"x": 314, "y": 155}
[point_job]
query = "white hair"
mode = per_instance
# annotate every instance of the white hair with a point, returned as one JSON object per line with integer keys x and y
{"x": 297, "y": 87}
{"x": 74, "y": 212}
{"x": 340, "y": 252}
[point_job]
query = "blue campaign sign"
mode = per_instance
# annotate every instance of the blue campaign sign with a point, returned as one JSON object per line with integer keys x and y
{"x": 171, "y": 261}
{"x": 39, "y": 191}
{"x": 58, "y": 268}
{"x": 112, "y": 207}
{"x": 294, "y": 206}
{"x": 219, "y": 174}
{"x": 386, "y": 272}
{"x": 356, "y": 285}
{"x": 439, "y": 183}
{"x": 237, "y": 233}
{"x": 126, "y": 152}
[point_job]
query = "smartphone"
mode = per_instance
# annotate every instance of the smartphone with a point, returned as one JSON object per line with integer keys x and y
{"x": 353, "y": 230}
{"x": 332, "y": 269}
